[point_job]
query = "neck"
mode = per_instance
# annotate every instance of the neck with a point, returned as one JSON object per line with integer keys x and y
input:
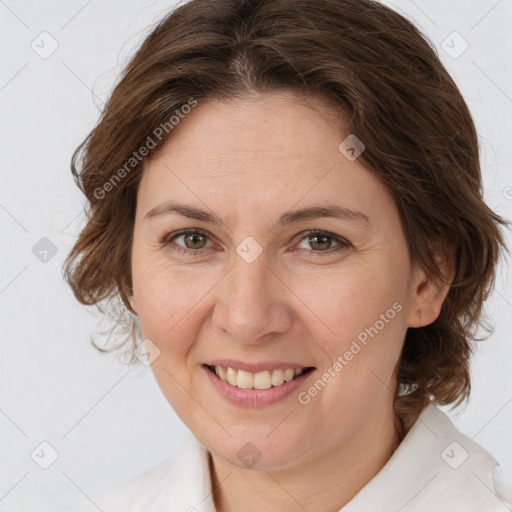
{"x": 339, "y": 474}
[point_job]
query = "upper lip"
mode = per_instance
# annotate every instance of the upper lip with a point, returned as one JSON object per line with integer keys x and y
{"x": 256, "y": 367}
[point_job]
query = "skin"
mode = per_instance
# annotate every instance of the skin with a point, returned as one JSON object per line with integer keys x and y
{"x": 248, "y": 161}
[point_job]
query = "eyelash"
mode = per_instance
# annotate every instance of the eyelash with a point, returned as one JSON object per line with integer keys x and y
{"x": 166, "y": 241}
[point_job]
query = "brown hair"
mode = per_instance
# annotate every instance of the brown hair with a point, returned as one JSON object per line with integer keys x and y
{"x": 397, "y": 98}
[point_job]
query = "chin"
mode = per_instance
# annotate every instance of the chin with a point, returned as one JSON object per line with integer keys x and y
{"x": 253, "y": 451}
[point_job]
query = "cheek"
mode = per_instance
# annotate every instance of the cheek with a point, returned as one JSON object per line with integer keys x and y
{"x": 342, "y": 303}
{"x": 358, "y": 349}
{"x": 359, "y": 322}
{"x": 168, "y": 299}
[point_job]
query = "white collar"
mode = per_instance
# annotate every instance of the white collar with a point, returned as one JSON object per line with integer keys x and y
{"x": 435, "y": 468}
{"x": 187, "y": 485}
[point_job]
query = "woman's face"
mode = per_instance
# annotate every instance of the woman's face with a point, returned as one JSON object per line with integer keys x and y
{"x": 256, "y": 290}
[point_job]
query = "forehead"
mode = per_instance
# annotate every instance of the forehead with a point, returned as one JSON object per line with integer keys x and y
{"x": 264, "y": 151}
{"x": 278, "y": 122}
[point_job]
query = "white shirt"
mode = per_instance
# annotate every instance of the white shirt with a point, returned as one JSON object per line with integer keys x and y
{"x": 436, "y": 468}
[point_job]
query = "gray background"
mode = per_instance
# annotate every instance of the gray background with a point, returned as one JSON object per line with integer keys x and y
{"x": 107, "y": 421}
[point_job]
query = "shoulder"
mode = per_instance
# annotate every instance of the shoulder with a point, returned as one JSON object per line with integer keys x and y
{"x": 502, "y": 480}
{"x": 437, "y": 467}
{"x": 180, "y": 482}
{"x": 130, "y": 494}
{"x": 469, "y": 474}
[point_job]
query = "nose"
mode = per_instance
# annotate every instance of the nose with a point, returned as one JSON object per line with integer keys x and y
{"x": 252, "y": 304}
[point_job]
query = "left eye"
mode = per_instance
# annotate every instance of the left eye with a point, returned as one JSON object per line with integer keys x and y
{"x": 195, "y": 241}
{"x": 323, "y": 240}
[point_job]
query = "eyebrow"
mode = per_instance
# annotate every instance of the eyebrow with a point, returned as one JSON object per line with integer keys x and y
{"x": 290, "y": 217}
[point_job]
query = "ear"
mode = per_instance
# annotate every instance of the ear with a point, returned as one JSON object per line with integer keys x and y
{"x": 427, "y": 294}
{"x": 133, "y": 304}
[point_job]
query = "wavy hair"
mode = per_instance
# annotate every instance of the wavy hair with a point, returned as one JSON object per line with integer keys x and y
{"x": 395, "y": 95}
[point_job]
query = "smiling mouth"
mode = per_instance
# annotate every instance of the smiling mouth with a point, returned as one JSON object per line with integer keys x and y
{"x": 260, "y": 380}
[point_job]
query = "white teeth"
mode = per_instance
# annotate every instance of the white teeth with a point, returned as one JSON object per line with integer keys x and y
{"x": 277, "y": 377}
{"x": 231, "y": 376}
{"x": 260, "y": 380}
{"x": 289, "y": 373}
{"x": 244, "y": 379}
{"x": 223, "y": 374}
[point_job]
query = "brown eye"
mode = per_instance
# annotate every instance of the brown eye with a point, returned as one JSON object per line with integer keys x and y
{"x": 194, "y": 241}
{"x": 322, "y": 241}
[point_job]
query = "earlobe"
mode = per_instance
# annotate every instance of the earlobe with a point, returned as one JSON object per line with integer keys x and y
{"x": 133, "y": 304}
{"x": 429, "y": 294}
{"x": 427, "y": 303}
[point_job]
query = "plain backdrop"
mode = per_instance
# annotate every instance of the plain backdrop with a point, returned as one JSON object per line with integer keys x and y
{"x": 104, "y": 421}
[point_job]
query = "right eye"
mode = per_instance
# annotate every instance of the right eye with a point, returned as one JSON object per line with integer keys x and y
{"x": 190, "y": 237}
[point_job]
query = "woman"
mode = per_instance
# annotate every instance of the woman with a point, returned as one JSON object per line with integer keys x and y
{"x": 286, "y": 197}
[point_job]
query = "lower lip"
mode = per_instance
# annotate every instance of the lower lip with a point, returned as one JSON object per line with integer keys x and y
{"x": 255, "y": 397}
